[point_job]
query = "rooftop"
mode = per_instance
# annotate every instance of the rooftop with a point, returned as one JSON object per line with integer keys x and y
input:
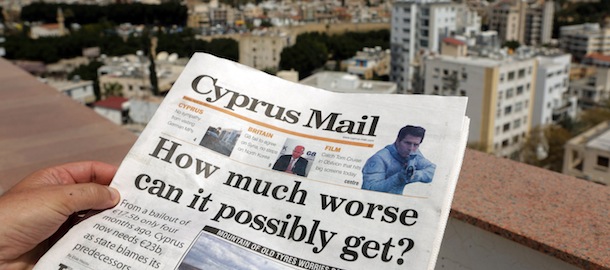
{"x": 346, "y": 83}
{"x": 556, "y": 214}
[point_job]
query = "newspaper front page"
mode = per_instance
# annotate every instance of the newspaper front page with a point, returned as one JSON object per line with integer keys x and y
{"x": 243, "y": 170}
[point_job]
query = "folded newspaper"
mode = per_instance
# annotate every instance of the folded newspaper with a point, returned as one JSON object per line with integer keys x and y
{"x": 239, "y": 169}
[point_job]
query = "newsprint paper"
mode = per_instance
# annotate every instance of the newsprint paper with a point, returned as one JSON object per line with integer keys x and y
{"x": 239, "y": 169}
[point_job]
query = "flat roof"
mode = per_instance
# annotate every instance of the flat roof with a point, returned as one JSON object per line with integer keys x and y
{"x": 600, "y": 141}
{"x": 42, "y": 127}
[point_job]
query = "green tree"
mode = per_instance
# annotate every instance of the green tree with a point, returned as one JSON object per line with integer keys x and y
{"x": 544, "y": 147}
{"x": 512, "y": 44}
{"x": 113, "y": 89}
{"x": 305, "y": 56}
{"x": 89, "y": 72}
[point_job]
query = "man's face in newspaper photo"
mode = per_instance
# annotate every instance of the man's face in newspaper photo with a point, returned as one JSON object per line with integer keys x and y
{"x": 298, "y": 151}
{"x": 408, "y": 145}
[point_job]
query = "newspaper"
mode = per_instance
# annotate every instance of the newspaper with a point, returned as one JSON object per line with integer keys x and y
{"x": 209, "y": 183}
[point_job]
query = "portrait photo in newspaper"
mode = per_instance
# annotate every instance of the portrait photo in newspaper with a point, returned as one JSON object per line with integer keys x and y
{"x": 398, "y": 164}
{"x": 294, "y": 158}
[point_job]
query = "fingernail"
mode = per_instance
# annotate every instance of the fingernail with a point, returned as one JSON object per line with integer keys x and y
{"x": 114, "y": 194}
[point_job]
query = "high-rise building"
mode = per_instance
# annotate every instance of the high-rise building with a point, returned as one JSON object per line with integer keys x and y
{"x": 262, "y": 49}
{"x": 553, "y": 101}
{"x": 500, "y": 92}
{"x": 418, "y": 26}
{"x": 528, "y": 23}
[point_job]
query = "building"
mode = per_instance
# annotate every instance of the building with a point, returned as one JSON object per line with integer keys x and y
{"x": 115, "y": 109}
{"x": 529, "y": 23}
{"x": 262, "y": 49}
{"x": 370, "y": 62}
{"x": 592, "y": 90}
{"x": 597, "y": 59}
{"x": 539, "y": 23}
{"x": 347, "y": 83}
{"x": 454, "y": 47}
{"x": 500, "y": 92}
{"x": 583, "y": 39}
{"x": 553, "y": 101}
{"x": 587, "y": 155}
{"x": 50, "y": 29}
{"x": 507, "y": 17}
{"x": 419, "y": 26}
{"x": 129, "y": 76}
{"x": 289, "y": 75}
{"x": 79, "y": 90}
{"x": 63, "y": 67}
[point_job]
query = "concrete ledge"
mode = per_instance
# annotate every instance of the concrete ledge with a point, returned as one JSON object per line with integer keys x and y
{"x": 556, "y": 214}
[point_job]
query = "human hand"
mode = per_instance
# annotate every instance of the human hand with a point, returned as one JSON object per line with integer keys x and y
{"x": 34, "y": 209}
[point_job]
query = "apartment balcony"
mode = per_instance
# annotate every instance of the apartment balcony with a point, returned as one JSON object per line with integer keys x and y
{"x": 561, "y": 112}
{"x": 504, "y": 215}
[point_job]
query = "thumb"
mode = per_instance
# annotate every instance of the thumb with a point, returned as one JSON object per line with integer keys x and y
{"x": 77, "y": 197}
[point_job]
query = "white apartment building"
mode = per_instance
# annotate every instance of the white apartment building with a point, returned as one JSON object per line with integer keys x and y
{"x": 553, "y": 100}
{"x": 582, "y": 39}
{"x": 587, "y": 155}
{"x": 592, "y": 90}
{"x": 419, "y": 26}
{"x": 528, "y": 23}
{"x": 262, "y": 50}
{"x": 500, "y": 93}
{"x": 79, "y": 90}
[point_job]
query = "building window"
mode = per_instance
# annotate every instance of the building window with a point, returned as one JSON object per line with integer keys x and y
{"x": 517, "y": 123}
{"x": 506, "y": 127}
{"x": 501, "y": 77}
{"x": 519, "y": 90}
{"x": 508, "y": 110}
{"x": 511, "y": 75}
{"x": 603, "y": 161}
{"x": 509, "y": 93}
{"x": 521, "y": 73}
{"x": 518, "y": 106}
{"x": 505, "y": 143}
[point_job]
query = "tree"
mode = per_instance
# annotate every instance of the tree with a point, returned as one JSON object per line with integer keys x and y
{"x": 512, "y": 44}
{"x": 592, "y": 117}
{"x": 89, "y": 72}
{"x": 545, "y": 147}
{"x": 305, "y": 56}
{"x": 113, "y": 89}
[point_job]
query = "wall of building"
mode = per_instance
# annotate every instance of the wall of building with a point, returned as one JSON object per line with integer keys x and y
{"x": 468, "y": 247}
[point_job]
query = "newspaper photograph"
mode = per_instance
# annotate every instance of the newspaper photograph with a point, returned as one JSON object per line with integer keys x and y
{"x": 239, "y": 169}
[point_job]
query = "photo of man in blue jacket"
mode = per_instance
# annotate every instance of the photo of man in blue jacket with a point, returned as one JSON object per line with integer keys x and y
{"x": 398, "y": 164}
